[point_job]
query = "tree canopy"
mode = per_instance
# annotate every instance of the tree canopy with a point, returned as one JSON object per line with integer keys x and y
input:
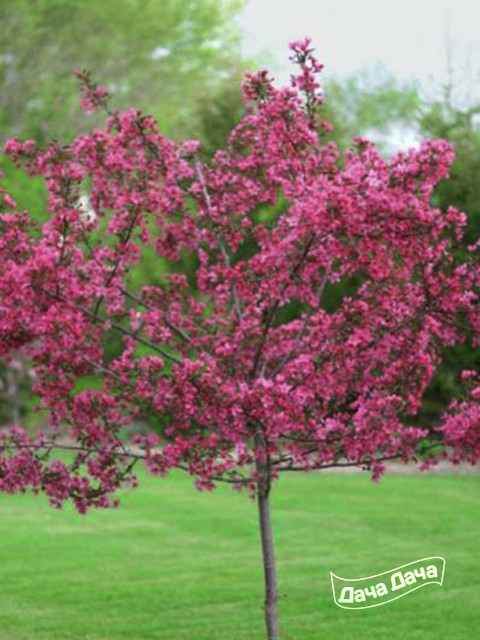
{"x": 158, "y": 55}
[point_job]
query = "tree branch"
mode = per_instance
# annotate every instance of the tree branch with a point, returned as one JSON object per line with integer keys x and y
{"x": 179, "y": 332}
{"x": 301, "y": 333}
{"x": 221, "y": 239}
{"x": 115, "y": 326}
{"x": 365, "y": 463}
{"x": 52, "y": 446}
{"x": 273, "y": 309}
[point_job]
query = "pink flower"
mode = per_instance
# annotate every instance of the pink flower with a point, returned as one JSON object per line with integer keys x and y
{"x": 233, "y": 380}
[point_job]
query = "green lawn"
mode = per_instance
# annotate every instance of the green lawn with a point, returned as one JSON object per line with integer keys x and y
{"x": 172, "y": 563}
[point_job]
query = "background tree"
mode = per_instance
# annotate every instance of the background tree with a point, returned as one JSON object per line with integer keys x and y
{"x": 217, "y": 114}
{"x": 160, "y": 55}
{"x": 374, "y": 103}
{"x": 461, "y": 126}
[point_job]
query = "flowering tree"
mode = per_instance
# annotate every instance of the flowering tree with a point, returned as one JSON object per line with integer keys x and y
{"x": 243, "y": 395}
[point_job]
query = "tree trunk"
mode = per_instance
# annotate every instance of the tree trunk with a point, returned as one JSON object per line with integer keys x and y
{"x": 271, "y": 597}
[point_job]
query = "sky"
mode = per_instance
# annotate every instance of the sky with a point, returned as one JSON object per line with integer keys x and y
{"x": 409, "y": 37}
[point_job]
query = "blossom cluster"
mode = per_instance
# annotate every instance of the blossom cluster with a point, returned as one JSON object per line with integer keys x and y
{"x": 243, "y": 394}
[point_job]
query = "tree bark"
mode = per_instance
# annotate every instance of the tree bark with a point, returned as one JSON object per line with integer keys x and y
{"x": 271, "y": 596}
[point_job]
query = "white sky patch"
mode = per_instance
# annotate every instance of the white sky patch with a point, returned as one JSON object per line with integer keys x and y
{"x": 396, "y": 138}
{"x": 161, "y": 52}
{"x": 409, "y": 37}
{"x": 87, "y": 214}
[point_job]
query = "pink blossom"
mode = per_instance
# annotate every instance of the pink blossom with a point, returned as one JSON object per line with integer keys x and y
{"x": 237, "y": 387}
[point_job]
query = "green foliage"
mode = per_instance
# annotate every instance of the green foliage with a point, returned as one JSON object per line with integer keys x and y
{"x": 217, "y": 115}
{"x": 29, "y": 193}
{"x": 372, "y": 102}
{"x": 441, "y": 119}
{"x": 158, "y": 55}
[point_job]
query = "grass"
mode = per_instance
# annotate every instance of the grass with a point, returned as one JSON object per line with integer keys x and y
{"x": 175, "y": 564}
